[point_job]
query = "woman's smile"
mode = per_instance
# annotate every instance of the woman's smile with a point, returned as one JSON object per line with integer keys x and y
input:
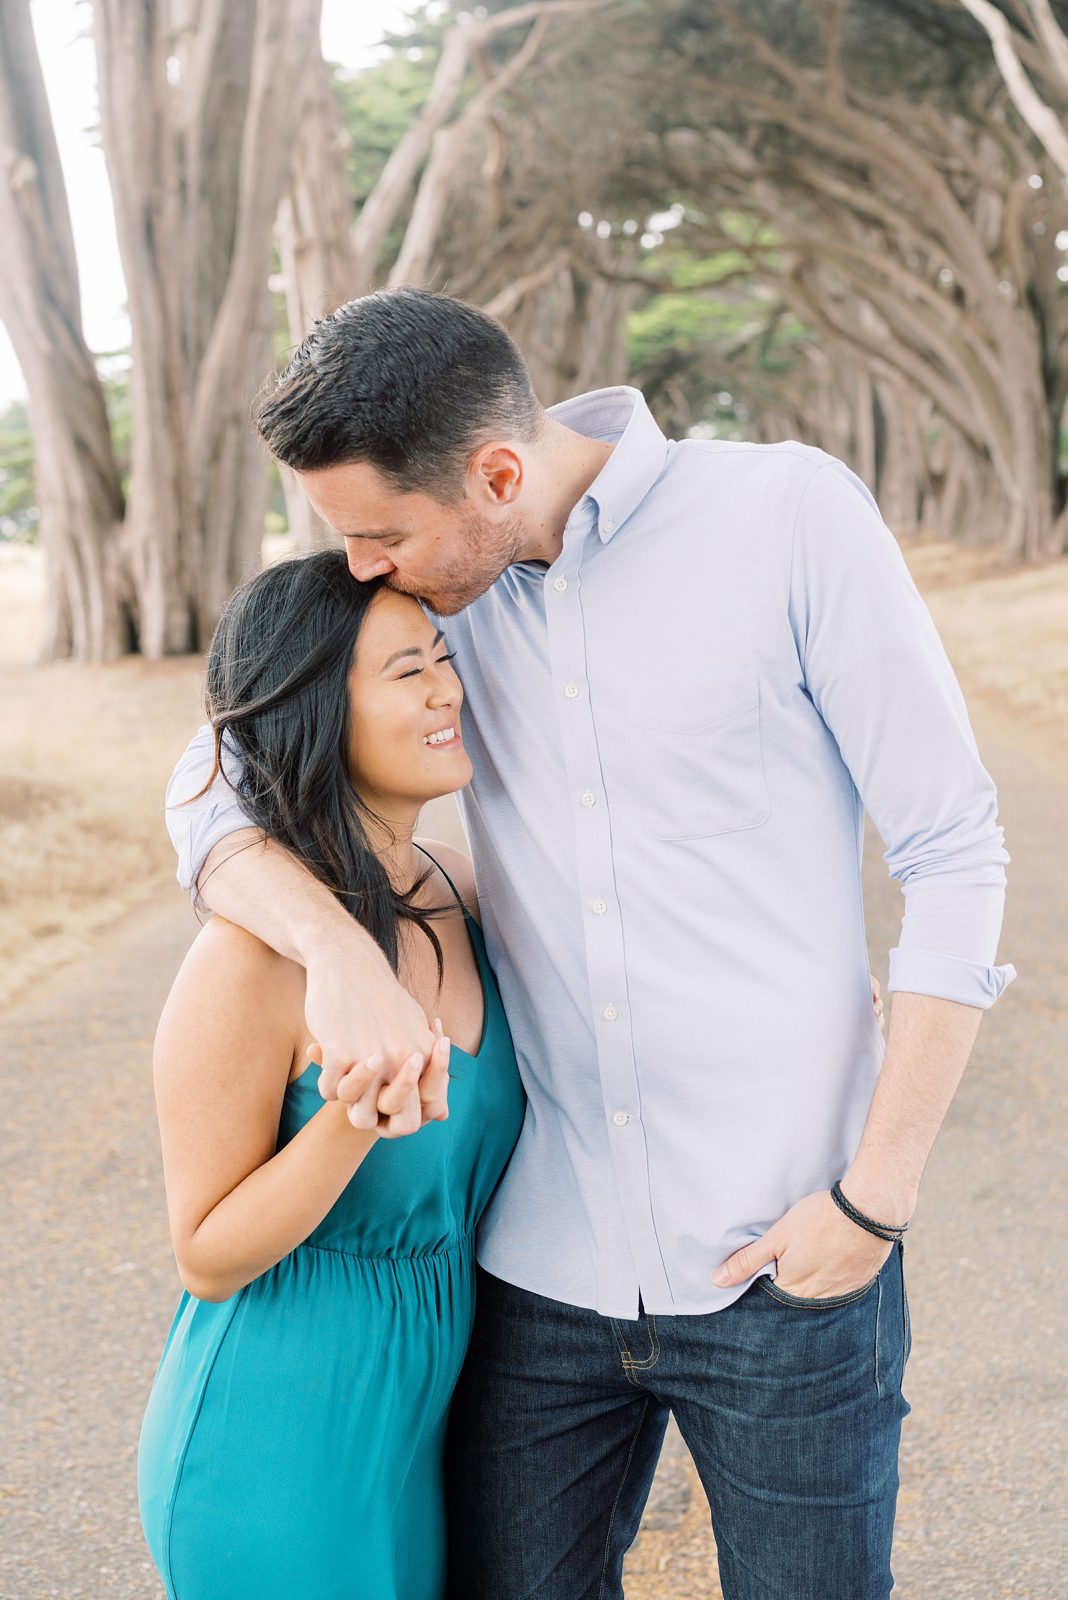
{"x": 444, "y": 738}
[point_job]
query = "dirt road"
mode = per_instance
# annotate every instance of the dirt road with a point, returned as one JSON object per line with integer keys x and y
{"x": 90, "y": 1287}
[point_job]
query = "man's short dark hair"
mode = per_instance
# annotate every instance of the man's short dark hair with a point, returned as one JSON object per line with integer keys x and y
{"x": 409, "y": 381}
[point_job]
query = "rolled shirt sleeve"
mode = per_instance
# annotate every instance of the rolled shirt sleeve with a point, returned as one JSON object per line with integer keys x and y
{"x": 878, "y": 674}
{"x": 197, "y": 825}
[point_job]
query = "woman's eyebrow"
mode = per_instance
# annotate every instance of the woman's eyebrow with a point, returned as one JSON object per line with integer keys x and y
{"x": 412, "y": 650}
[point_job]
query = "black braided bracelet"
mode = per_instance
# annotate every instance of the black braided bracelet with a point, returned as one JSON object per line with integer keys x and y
{"x": 884, "y": 1230}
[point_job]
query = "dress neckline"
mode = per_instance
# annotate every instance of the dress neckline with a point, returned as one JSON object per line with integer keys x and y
{"x": 478, "y": 947}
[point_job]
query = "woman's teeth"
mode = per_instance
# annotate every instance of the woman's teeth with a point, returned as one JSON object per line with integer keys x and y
{"x": 446, "y": 736}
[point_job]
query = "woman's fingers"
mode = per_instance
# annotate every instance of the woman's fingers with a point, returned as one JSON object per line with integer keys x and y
{"x": 397, "y": 1104}
{"x": 358, "y": 1089}
{"x": 394, "y": 1095}
{"x": 434, "y": 1084}
{"x": 400, "y": 1105}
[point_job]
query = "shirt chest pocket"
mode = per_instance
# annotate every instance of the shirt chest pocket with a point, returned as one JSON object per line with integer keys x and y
{"x": 696, "y": 760}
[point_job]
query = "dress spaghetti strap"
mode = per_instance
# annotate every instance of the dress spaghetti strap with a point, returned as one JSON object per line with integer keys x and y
{"x": 445, "y": 875}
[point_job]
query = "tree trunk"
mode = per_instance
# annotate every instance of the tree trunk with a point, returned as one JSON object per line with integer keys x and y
{"x": 79, "y": 493}
{"x": 197, "y": 140}
{"x": 312, "y": 235}
{"x": 312, "y": 230}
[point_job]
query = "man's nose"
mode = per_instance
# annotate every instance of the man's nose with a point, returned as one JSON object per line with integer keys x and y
{"x": 365, "y": 568}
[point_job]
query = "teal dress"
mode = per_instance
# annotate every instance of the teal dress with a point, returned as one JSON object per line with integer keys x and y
{"x": 293, "y": 1444}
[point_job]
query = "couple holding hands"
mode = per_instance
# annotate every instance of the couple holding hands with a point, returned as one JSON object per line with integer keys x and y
{"x": 479, "y": 1169}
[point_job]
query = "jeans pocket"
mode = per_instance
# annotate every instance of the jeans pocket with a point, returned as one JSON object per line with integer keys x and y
{"x": 825, "y": 1303}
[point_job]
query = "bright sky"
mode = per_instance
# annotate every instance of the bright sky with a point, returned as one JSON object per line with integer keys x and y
{"x": 350, "y": 31}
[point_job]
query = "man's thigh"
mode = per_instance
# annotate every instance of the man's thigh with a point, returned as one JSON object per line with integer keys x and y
{"x": 551, "y": 1453}
{"x": 792, "y": 1412}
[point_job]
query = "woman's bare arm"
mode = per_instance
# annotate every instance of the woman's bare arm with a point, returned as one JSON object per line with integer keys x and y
{"x": 223, "y": 1056}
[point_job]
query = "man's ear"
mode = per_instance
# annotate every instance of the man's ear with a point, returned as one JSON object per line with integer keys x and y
{"x": 496, "y": 474}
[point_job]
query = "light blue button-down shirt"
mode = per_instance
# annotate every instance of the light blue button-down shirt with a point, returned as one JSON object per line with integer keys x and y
{"x": 675, "y": 730}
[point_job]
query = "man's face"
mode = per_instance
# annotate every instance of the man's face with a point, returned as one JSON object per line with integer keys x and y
{"x": 445, "y": 555}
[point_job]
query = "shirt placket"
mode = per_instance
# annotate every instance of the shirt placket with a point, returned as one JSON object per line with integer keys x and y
{"x": 635, "y": 1262}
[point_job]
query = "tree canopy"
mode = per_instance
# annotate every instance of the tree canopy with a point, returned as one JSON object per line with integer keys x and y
{"x": 829, "y": 219}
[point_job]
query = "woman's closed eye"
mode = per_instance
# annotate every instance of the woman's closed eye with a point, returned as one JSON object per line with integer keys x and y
{"x": 437, "y": 662}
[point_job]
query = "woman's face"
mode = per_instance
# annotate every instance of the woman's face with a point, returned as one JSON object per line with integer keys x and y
{"x": 404, "y": 702}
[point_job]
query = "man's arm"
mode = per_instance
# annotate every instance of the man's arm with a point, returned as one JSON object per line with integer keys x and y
{"x": 877, "y": 673}
{"x": 365, "y": 1022}
{"x": 927, "y": 1050}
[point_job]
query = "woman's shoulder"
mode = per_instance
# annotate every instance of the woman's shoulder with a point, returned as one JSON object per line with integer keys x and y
{"x": 457, "y": 864}
{"x": 220, "y": 940}
{"x": 235, "y": 1012}
{"x": 227, "y": 967}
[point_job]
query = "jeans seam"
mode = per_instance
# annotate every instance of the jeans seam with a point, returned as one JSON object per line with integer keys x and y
{"x": 619, "y": 1491}
{"x": 631, "y": 1365}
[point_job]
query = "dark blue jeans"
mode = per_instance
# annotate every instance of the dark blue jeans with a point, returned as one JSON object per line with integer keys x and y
{"x": 792, "y": 1410}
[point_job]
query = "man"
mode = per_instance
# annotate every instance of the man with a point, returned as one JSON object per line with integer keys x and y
{"x": 688, "y": 667}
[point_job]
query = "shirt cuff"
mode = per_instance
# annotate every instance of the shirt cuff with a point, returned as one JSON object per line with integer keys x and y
{"x": 970, "y": 983}
{"x": 222, "y": 821}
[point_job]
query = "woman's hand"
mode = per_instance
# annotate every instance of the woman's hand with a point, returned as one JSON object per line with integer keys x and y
{"x": 876, "y": 999}
{"x": 401, "y": 1105}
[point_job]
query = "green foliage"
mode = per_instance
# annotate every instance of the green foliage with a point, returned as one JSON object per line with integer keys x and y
{"x": 18, "y": 496}
{"x": 377, "y": 106}
{"x": 716, "y": 333}
{"x": 275, "y": 518}
{"x": 18, "y": 505}
{"x": 681, "y": 323}
{"x": 114, "y": 369}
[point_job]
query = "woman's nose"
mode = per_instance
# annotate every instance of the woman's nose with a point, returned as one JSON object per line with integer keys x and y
{"x": 445, "y": 690}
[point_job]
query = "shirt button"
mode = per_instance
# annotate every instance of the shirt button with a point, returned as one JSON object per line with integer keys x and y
{"x": 559, "y": 584}
{"x": 607, "y": 524}
{"x": 610, "y": 1013}
{"x": 599, "y": 907}
{"x": 589, "y": 799}
{"x": 571, "y": 690}
{"x": 621, "y": 1119}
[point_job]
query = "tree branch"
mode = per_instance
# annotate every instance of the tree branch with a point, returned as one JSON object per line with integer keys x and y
{"x": 1040, "y": 118}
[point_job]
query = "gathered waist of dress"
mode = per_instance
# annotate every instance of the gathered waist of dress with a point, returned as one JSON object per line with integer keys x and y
{"x": 459, "y": 1244}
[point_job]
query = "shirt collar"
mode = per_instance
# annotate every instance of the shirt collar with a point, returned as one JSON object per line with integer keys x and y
{"x": 621, "y": 415}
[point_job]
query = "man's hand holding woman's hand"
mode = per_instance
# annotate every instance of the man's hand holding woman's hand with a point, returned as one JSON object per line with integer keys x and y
{"x": 377, "y": 1052}
{"x": 400, "y": 1105}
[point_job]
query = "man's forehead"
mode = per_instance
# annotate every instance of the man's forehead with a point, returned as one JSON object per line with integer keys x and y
{"x": 355, "y": 499}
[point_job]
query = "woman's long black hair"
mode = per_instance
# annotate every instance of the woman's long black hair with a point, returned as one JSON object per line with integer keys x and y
{"x": 277, "y": 690}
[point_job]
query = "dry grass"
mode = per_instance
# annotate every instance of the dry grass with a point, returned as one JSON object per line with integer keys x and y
{"x": 87, "y": 750}
{"x": 1006, "y": 632}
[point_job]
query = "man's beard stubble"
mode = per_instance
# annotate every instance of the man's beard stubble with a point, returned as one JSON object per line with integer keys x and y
{"x": 491, "y": 549}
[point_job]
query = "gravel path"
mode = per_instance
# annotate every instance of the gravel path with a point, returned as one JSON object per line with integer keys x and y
{"x": 90, "y": 1287}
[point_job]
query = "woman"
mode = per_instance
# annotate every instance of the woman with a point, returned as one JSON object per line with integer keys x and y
{"x": 292, "y": 1445}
